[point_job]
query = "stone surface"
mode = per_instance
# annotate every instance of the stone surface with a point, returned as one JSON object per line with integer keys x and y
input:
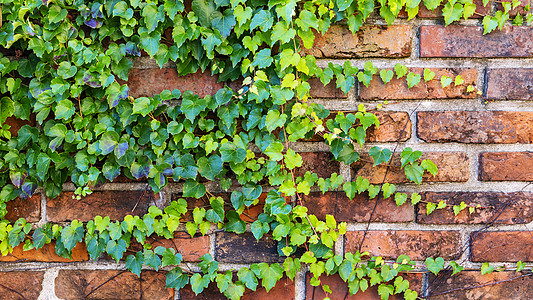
{"x": 244, "y": 248}
{"x": 417, "y": 244}
{"x": 370, "y": 41}
{"x": 20, "y": 285}
{"x": 453, "y": 167}
{"x": 149, "y": 82}
{"x": 471, "y": 285}
{"x": 357, "y": 210}
{"x": 115, "y": 204}
{"x": 504, "y": 166}
{"x": 469, "y": 41}
{"x": 45, "y": 254}
{"x": 509, "y": 83}
{"x": 398, "y": 89}
{"x": 111, "y": 284}
{"x": 29, "y": 209}
{"x": 502, "y": 246}
{"x": 511, "y": 208}
{"x": 494, "y": 127}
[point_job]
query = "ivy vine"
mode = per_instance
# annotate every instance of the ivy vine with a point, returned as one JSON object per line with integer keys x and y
{"x": 64, "y": 66}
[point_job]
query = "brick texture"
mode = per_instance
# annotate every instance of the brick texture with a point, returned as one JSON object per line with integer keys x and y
{"x": 469, "y": 41}
{"x": 244, "y": 248}
{"x": 502, "y": 246}
{"x": 284, "y": 289}
{"x": 503, "y": 166}
{"x": 20, "y": 285}
{"x": 191, "y": 249}
{"x": 498, "y": 127}
{"x": 472, "y": 285}
{"x": 149, "y": 82}
{"x": 509, "y": 208}
{"x": 453, "y": 167}
{"x": 509, "y": 83}
{"x": 321, "y": 163}
{"x": 29, "y": 209}
{"x": 370, "y": 41}
{"x": 330, "y": 90}
{"x": 416, "y": 244}
{"x": 16, "y": 124}
{"x": 111, "y": 284}
{"x": 115, "y": 204}
{"x": 45, "y": 254}
{"x": 398, "y": 89}
{"x": 357, "y": 210}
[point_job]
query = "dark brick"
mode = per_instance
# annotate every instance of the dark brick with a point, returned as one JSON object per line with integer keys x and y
{"x": 20, "y": 285}
{"x": 502, "y": 246}
{"x": 244, "y": 248}
{"x": 321, "y": 163}
{"x": 417, "y": 244}
{"x": 369, "y": 41}
{"x": 398, "y": 89}
{"x": 453, "y": 167}
{"x": 111, "y": 284}
{"x": 504, "y": 166}
{"x": 29, "y": 209}
{"x": 115, "y": 204}
{"x": 16, "y": 124}
{"x": 512, "y": 84}
{"x": 471, "y": 285}
{"x": 469, "y": 41}
{"x": 498, "y": 127}
{"x": 512, "y": 208}
{"x": 356, "y": 210}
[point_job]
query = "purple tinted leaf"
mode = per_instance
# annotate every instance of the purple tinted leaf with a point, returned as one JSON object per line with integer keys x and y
{"x": 92, "y": 23}
{"x": 132, "y": 49}
{"x": 96, "y": 10}
{"x": 55, "y": 143}
{"x": 139, "y": 171}
{"x": 121, "y": 148}
{"x": 17, "y": 177}
{"x": 28, "y": 188}
{"x": 88, "y": 81}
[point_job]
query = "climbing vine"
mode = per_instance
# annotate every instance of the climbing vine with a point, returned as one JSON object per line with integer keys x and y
{"x": 65, "y": 65}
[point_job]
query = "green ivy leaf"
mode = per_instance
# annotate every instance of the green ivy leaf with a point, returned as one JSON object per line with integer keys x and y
{"x": 134, "y": 263}
{"x": 434, "y": 265}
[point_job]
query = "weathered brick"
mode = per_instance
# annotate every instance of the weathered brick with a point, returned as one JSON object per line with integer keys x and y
{"x": 29, "y": 209}
{"x": 502, "y": 246}
{"x": 45, "y": 254}
{"x": 149, "y": 82}
{"x": 244, "y": 248}
{"x": 469, "y": 41}
{"x": 509, "y": 83}
{"x": 415, "y": 243}
{"x": 284, "y": 289}
{"x": 511, "y": 208}
{"x": 357, "y": 210}
{"x": 115, "y": 204}
{"x": 519, "y": 10}
{"x": 503, "y": 166}
{"x": 321, "y": 163}
{"x": 499, "y": 127}
{"x": 398, "y": 89}
{"x": 369, "y": 41}
{"x": 191, "y": 249}
{"x": 437, "y": 12}
{"x": 453, "y": 167}
{"x": 16, "y": 124}
{"x": 329, "y": 91}
{"x": 111, "y": 284}
{"x": 20, "y": 285}
{"x": 471, "y": 285}
{"x": 341, "y": 292}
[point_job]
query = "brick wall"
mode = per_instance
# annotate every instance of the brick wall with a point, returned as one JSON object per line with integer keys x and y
{"x": 481, "y": 145}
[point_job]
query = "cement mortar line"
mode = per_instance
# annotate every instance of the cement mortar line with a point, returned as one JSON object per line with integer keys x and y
{"x": 413, "y": 226}
{"x": 48, "y": 285}
{"x": 300, "y": 285}
{"x": 434, "y": 62}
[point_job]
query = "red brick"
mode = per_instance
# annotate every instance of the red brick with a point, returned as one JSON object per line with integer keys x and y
{"x": 512, "y": 208}
{"x": 149, "y": 82}
{"x": 20, "y": 285}
{"x": 321, "y": 163}
{"x": 319, "y": 90}
{"x": 508, "y": 83}
{"x": 341, "y": 292}
{"x": 115, "y": 204}
{"x": 369, "y": 41}
{"x": 473, "y": 285}
{"x": 16, "y": 124}
{"x": 418, "y": 245}
{"x": 398, "y": 89}
{"x": 284, "y": 289}
{"x": 111, "y": 284}
{"x": 437, "y": 12}
{"x": 45, "y": 254}
{"x": 356, "y": 210}
{"x": 244, "y": 248}
{"x": 504, "y": 166}
{"x": 469, "y": 41}
{"x": 29, "y": 209}
{"x": 519, "y": 9}
{"x": 453, "y": 167}
{"x": 191, "y": 249}
{"x": 502, "y": 246}
{"x": 496, "y": 127}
